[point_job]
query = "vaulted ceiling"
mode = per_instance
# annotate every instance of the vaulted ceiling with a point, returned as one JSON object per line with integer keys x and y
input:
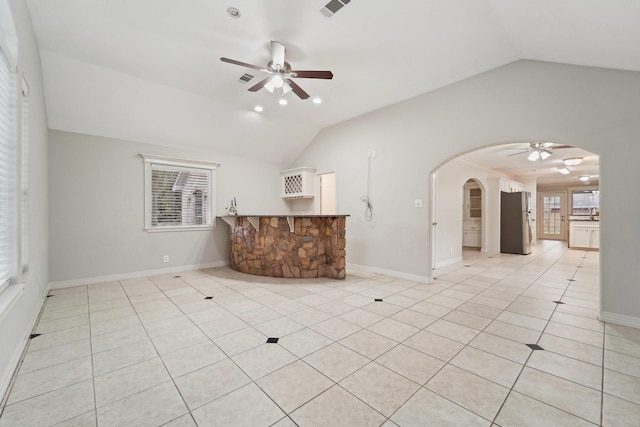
{"x": 149, "y": 70}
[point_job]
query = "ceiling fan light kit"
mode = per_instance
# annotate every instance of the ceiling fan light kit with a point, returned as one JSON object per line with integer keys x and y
{"x": 281, "y": 79}
{"x": 572, "y": 161}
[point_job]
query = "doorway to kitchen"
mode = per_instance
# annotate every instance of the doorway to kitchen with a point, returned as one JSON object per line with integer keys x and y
{"x": 552, "y": 225}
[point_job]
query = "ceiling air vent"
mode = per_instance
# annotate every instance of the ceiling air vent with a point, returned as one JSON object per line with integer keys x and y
{"x": 246, "y": 78}
{"x": 333, "y": 7}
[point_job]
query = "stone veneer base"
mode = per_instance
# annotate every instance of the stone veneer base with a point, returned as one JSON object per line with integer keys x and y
{"x": 316, "y": 247}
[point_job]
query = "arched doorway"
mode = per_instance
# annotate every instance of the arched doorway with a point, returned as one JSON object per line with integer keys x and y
{"x": 504, "y": 167}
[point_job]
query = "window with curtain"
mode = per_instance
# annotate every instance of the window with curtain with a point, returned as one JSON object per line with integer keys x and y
{"x": 179, "y": 193}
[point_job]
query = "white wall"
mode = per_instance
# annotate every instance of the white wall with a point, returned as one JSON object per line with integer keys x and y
{"x": 17, "y": 321}
{"x": 97, "y": 209}
{"x": 591, "y": 108}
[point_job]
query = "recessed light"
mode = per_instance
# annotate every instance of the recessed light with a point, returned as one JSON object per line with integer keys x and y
{"x": 258, "y": 108}
{"x": 317, "y": 100}
{"x": 282, "y": 101}
{"x": 563, "y": 171}
{"x": 233, "y": 12}
{"x": 584, "y": 178}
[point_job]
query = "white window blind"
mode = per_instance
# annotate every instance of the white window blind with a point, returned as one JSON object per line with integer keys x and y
{"x": 7, "y": 174}
{"x": 174, "y": 191}
{"x": 179, "y": 193}
{"x": 25, "y": 178}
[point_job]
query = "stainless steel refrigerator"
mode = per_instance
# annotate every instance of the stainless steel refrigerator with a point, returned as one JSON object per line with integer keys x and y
{"x": 515, "y": 222}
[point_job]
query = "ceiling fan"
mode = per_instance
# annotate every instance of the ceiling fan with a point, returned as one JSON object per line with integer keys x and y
{"x": 281, "y": 74}
{"x": 540, "y": 150}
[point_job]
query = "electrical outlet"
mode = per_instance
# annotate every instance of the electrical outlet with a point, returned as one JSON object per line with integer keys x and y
{"x": 165, "y": 258}
{"x": 373, "y": 153}
{"x": 418, "y": 203}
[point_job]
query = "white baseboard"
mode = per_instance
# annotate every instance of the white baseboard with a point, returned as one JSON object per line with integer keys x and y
{"x": 391, "y": 273}
{"x": 620, "y": 319}
{"x": 448, "y": 262}
{"x": 135, "y": 274}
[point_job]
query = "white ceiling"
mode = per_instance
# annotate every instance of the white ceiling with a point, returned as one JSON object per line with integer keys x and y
{"x": 511, "y": 160}
{"x": 380, "y": 52}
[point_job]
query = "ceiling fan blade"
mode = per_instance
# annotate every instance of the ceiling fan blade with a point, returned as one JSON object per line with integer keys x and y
{"x": 298, "y": 90}
{"x": 277, "y": 54}
{"x": 521, "y": 152}
{"x": 242, "y": 64}
{"x": 561, "y": 146}
{"x": 313, "y": 74}
{"x": 259, "y": 85}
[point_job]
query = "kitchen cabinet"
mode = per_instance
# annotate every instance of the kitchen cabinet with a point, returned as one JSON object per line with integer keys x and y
{"x": 472, "y": 201}
{"x": 509, "y": 186}
{"x": 584, "y": 234}
{"x": 471, "y": 236}
{"x": 297, "y": 183}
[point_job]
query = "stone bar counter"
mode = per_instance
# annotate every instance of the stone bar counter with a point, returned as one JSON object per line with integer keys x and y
{"x": 295, "y": 246}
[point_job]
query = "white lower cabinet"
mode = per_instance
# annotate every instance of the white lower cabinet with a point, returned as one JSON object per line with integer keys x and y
{"x": 584, "y": 235}
{"x": 471, "y": 236}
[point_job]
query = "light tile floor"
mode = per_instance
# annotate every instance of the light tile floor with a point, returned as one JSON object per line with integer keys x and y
{"x": 191, "y": 350}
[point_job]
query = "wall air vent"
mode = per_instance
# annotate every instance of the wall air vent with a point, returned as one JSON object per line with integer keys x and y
{"x": 246, "y": 78}
{"x": 333, "y": 7}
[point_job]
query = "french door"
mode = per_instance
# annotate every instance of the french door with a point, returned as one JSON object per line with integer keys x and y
{"x": 551, "y": 217}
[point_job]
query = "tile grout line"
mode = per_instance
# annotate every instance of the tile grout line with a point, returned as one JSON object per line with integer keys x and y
{"x": 93, "y": 374}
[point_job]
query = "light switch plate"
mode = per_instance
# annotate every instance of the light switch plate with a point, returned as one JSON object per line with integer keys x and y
{"x": 418, "y": 203}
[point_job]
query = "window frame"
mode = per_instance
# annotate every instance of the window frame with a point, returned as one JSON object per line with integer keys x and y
{"x": 583, "y": 190}
{"x": 209, "y": 167}
{"x": 10, "y": 204}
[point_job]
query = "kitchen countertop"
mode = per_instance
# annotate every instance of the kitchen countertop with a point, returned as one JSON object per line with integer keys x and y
{"x": 286, "y": 215}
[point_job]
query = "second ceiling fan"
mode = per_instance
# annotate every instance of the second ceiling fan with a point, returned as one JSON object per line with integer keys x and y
{"x": 281, "y": 74}
{"x": 540, "y": 150}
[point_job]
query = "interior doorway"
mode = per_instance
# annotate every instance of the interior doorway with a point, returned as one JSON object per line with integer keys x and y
{"x": 472, "y": 215}
{"x": 552, "y": 224}
{"x": 327, "y": 191}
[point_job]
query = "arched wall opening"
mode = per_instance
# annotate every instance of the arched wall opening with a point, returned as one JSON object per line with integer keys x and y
{"x": 495, "y": 169}
{"x": 592, "y": 108}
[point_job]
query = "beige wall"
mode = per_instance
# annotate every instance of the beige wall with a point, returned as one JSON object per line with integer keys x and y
{"x": 97, "y": 209}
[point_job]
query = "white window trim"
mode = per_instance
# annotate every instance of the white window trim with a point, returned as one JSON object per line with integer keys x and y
{"x": 151, "y": 159}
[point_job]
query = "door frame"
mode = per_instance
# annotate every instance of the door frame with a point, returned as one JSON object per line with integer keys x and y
{"x": 563, "y": 215}
{"x": 321, "y": 195}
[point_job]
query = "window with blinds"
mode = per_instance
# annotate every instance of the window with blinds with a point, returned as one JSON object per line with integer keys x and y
{"x": 8, "y": 175}
{"x": 25, "y": 178}
{"x": 179, "y": 193}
